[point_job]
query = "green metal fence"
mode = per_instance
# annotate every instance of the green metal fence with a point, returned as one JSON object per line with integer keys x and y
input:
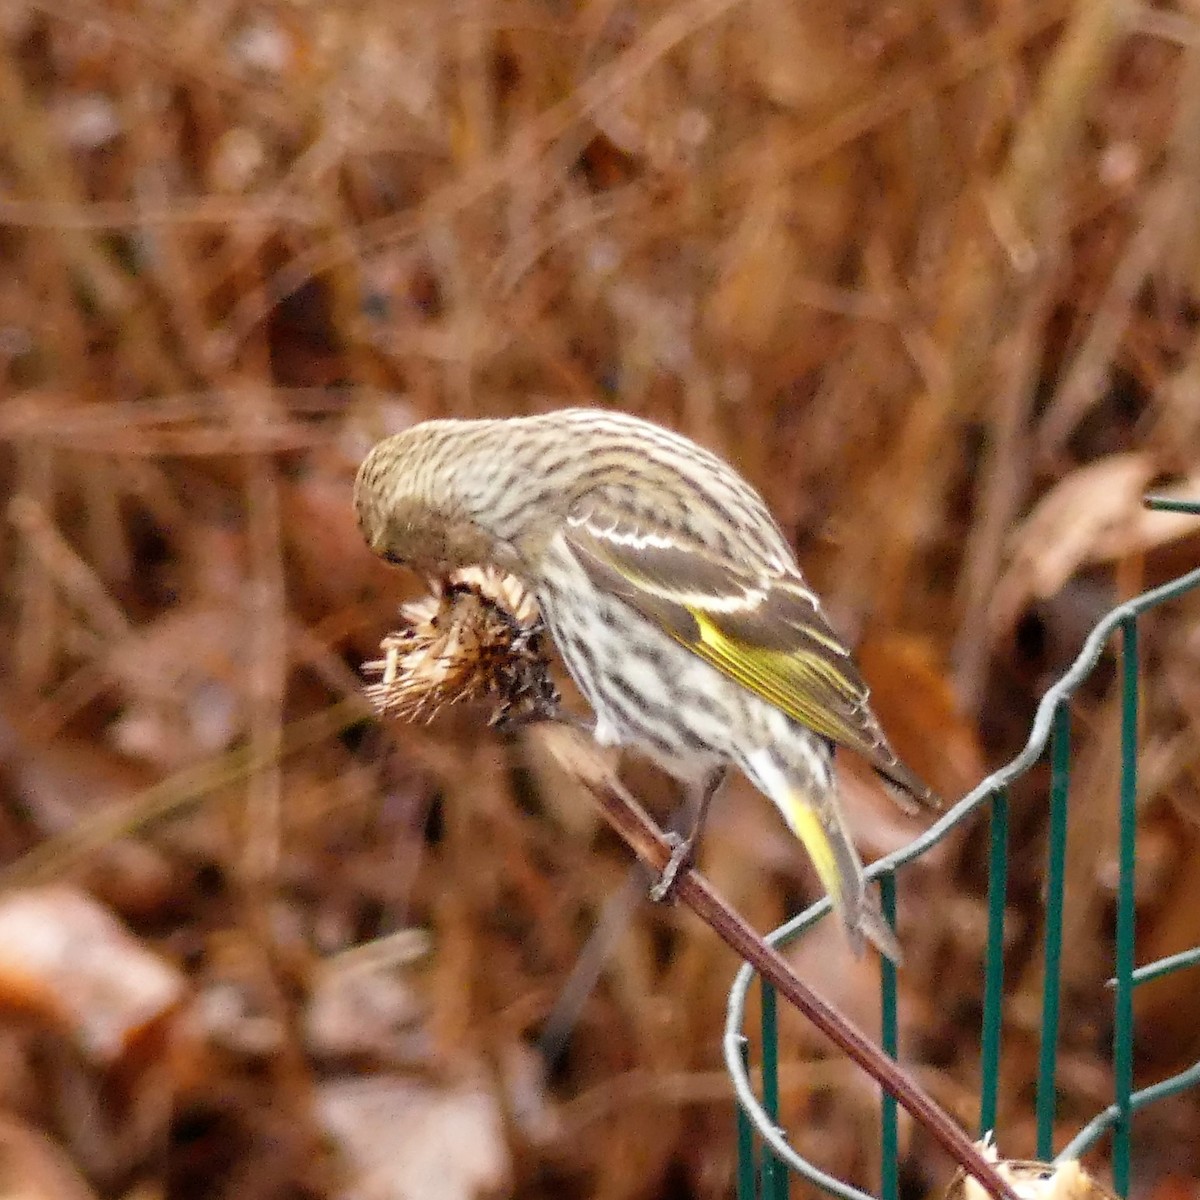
{"x": 766, "y": 1161}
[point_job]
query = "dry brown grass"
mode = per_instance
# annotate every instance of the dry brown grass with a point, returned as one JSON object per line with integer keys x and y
{"x": 925, "y": 271}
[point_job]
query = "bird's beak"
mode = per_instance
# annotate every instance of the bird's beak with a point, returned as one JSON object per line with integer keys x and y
{"x": 379, "y": 549}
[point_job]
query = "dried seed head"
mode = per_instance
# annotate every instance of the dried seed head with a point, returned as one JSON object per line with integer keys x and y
{"x": 1065, "y": 1180}
{"x": 481, "y": 637}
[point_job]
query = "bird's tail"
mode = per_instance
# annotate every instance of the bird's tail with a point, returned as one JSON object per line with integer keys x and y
{"x": 810, "y": 808}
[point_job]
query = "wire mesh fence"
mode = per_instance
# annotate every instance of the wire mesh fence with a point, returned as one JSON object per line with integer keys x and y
{"x": 767, "y": 1162}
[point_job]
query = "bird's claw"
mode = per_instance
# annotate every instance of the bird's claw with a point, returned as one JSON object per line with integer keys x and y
{"x": 680, "y": 860}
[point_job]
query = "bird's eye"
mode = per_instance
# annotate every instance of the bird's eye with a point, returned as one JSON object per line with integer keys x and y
{"x": 394, "y": 559}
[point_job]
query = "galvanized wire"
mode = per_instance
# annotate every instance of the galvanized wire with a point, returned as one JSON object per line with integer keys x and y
{"x": 1051, "y": 726}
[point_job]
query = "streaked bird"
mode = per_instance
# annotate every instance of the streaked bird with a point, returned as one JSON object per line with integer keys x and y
{"x": 675, "y": 602}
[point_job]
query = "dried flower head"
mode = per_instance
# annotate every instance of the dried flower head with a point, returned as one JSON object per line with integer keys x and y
{"x": 482, "y": 636}
{"x": 1065, "y": 1180}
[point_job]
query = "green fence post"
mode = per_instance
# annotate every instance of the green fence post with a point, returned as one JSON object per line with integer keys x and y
{"x": 993, "y": 980}
{"x": 889, "y": 1174}
{"x": 747, "y": 1182}
{"x": 1060, "y": 777}
{"x": 1126, "y": 916}
{"x": 774, "y": 1173}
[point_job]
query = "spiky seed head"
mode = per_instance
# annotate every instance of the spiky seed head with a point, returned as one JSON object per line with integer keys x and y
{"x": 480, "y": 637}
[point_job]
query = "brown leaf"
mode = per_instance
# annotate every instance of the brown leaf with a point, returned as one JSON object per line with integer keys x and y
{"x": 1094, "y": 515}
{"x": 71, "y": 965}
{"x": 407, "y": 1139}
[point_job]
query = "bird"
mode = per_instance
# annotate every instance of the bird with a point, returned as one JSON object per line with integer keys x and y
{"x": 675, "y": 602}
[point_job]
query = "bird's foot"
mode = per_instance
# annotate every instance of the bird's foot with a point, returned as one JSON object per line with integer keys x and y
{"x": 680, "y": 860}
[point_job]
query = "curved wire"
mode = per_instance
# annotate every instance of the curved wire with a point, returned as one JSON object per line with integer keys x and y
{"x": 1039, "y": 735}
{"x": 1104, "y": 1121}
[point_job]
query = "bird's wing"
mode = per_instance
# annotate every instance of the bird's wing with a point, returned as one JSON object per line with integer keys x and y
{"x": 763, "y": 629}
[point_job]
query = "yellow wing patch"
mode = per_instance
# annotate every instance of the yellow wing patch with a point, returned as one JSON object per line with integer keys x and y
{"x": 778, "y": 677}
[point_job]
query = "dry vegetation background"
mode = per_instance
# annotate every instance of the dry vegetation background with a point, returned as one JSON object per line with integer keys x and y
{"x": 927, "y": 271}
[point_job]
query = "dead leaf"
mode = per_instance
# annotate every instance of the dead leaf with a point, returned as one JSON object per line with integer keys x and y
{"x": 71, "y": 964}
{"x": 408, "y": 1139}
{"x": 1094, "y": 515}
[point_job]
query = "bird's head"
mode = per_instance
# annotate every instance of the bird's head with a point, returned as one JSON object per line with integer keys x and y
{"x": 408, "y": 512}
